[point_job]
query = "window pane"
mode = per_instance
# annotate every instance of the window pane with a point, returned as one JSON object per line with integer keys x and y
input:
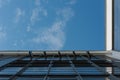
{"x": 36, "y": 71}
{"x": 29, "y": 78}
{"x": 63, "y": 79}
{"x": 7, "y": 60}
{"x": 4, "y": 78}
{"x": 95, "y": 78}
{"x": 10, "y": 70}
{"x": 62, "y": 71}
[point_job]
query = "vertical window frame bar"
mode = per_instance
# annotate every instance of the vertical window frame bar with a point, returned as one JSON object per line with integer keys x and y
{"x": 49, "y": 68}
{"x": 15, "y": 76}
{"x": 5, "y": 65}
{"x": 73, "y": 67}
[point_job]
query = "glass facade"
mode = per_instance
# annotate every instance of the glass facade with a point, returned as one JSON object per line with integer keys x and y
{"x": 54, "y": 67}
{"x": 117, "y": 25}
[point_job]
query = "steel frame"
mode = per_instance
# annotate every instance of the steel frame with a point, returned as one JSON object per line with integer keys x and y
{"x": 72, "y": 63}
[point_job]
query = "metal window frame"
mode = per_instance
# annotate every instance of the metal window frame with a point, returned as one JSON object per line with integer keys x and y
{"x": 86, "y": 57}
{"x": 112, "y": 77}
{"x": 73, "y": 67}
{"x": 14, "y": 77}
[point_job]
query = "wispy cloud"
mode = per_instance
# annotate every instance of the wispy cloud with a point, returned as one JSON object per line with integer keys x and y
{"x": 71, "y": 2}
{"x": 65, "y": 14}
{"x": 37, "y": 2}
{"x": 22, "y": 42}
{"x": 37, "y": 11}
{"x": 15, "y": 44}
{"x": 3, "y": 2}
{"x": 28, "y": 28}
{"x": 19, "y": 13}
{"x": 54, "y": 36}
{"x": 2, "y": 33}
{"x": 35, "y": 15}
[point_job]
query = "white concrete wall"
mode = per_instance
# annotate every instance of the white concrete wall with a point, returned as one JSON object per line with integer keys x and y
{"x": 108, "y": 24}
{"x": 114, "y": 55}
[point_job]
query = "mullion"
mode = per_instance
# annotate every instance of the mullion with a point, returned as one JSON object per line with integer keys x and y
{"x": 74, "y": 54}
{"x": 73, "y": 67}
{"x": 49, "y": 68}
{"x": 59, "y": 55}
{"x": 21, "y": 71}
{"x": 45, "y": 55}
{"x": 99, "y": 68}
{"x": 5, "y": 65}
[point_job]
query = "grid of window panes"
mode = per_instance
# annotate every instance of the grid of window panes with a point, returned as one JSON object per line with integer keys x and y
{"x": 59, "y": 67}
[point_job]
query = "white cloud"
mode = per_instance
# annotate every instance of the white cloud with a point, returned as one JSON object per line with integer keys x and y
{"x": 54, "y": 36}
{"x": 37, "y": 2}
{"x": 65, "y": 14}
{"x": 44, "y": 12}
{"x": 15, "y": 44}
{"x": 28, "y": 28}
{"x": 71, "y": 2}
{"x": 37, "y": 11}
{"x": 19, "y": 13}
{"x": 2, "y": 33}
{"x": 22, "y": 42}
{"x": 46, "y": 1}
{"x": 35, "y": 15}
{"x": 3, "y": 2}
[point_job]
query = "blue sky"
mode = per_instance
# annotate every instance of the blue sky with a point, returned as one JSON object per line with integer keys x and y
{"x": 52, "y": 25}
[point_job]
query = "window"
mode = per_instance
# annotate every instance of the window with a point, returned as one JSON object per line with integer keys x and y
{"x": 80, "y": 67}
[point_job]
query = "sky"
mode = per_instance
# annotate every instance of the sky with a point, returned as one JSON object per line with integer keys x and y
{"x": 52, "y": 25}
